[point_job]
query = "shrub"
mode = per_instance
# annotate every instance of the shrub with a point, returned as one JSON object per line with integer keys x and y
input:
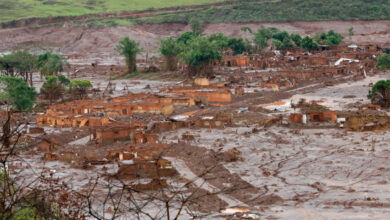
{"x": 383, "y": 62}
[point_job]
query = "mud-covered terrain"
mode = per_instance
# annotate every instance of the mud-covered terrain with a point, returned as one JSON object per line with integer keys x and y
{"x": 100, "y": 42}
{"x": 282, "y": 169}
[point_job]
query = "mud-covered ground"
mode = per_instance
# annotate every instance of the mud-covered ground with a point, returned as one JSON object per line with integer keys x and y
{"x": 97, "y": 43}
{"x": 287, "y": 173}
{"x": 317, "y": 173}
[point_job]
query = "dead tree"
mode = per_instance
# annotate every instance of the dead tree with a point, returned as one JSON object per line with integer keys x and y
{"x": 167, "y": 201}
{"x": 39, "y": 196}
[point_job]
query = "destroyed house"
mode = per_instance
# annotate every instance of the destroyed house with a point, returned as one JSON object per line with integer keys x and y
{"x": 212, "y": 94}
{"x": 48, "y": 145}
{"x": 234, "y": 61}
{"x": 132, "y": 169}
{"x": 71, "y": 121}
{"x": 322, "y": 116}
{"x": 156, "y": 99}
{"x": 312, "y": 60}
{"x": 155, "y": 184}
{"x": 113, "y": 134}
{"x": 124, "y": 105}
{"x": 147, "y": 151}
{"x": 370, "y": 107}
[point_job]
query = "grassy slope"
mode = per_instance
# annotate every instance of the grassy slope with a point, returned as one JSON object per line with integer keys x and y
{"x": 285, "y": 10}
{"x": 244, "y": 11}
{"x": 16, "y": 9}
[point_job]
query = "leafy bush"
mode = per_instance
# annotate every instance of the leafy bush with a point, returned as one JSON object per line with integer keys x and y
{"x": 381, "y": 86}
{"x": 199, "y": 54}
{"x": 80, "y": 87}
{"x": 17, "y": 93}
{"x": 383, "y": 62}
{"x": 220, "y": 39}
{"x": 309, "y": 44}
{"x": 237, "y": 45}
{"x": 185, "y": 37}
{"x": 297, "y": 39}
{"x": 54, "y": 87}
{"x": 170, "y": 49}
{"x": 129, "y": 49}
{"x": 52, "y": 63}
{"x": 330, "y": 38}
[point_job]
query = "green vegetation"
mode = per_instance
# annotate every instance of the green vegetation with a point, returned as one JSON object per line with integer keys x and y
{"x": 196, "y": 27}
{"x": 237, "y": 45}
{"x": 170, "y": 49}
{"x": 351, "y": 32}
{"x": 52, "y": 64}
{"x": 242, "y": 11}
{"x": 309, "y": 44}
{"x": 380, "y": 87}
{"x": 54, "y": 87}
{"x": 199, "y": 54}
{"x": 16, "y": 93}
{"x": 220, "y": 39}
{"x": 80, "y": 87}
{"x": 330, "y": 38}
{"x": 129, "y": 49}
{"x": 383, "y": 62}
{"x": 297, "y": 39}
{"x": 20, "y": 63}
{"x": 261, "y": 37}
{"x": 379, "y": 94}
{"x": 16, "y": 9}
{"x": 284, "y": 10}
{"x": 185, "y": 38}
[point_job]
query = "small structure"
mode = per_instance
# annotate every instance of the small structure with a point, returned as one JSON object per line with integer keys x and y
{"x": 132, "y": 169}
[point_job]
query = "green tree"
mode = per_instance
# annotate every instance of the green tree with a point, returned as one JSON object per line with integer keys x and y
{"x": 185, "y": 38}
{"x": 52, "y": 64}
{"x": 261, "y": 37}
{"x": 170, "y": 49}
{"x": 196, "y": 27}
{"x": 277, "y": 44}
{"x": 297, "y": 39}
{"x": 80, "y": 87}
{"x": 16, "y": 93}
{"x": 380, "y": 93}
{"x": 248, "y": 46}
{"x": 351, "y": 32}
{"x": 26, "y": 64}
{"x": 237, "y": 45}
{"x": 309, "y": 44}
{"x": 199, "y": 56}
{"x": 7, "y": 65}
{"x": 245, "y": 29}
{"x": 383, "y": 62}
{"x": 330, "y": 38}
{"x": 281, "y": 35}
{"x": 287, "y": 44}
{"x": 221, "y": 40}
{"x": 281, "y": 40}
{"x": 19, "y": 62}
{"x": 129, "y": 49}
{"x": 54, "y": 87}
{"x": 382, "y": 86}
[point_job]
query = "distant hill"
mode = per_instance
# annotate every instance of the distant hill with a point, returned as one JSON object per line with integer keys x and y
{"x": 285, "y": 10}
{"x": 122, "y": 12}
{"x": 17, "y": 9}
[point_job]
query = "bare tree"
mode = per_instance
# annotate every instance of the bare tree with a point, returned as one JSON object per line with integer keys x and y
{"x": 30, "y": 196}
{"x": 169, "y": 200}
